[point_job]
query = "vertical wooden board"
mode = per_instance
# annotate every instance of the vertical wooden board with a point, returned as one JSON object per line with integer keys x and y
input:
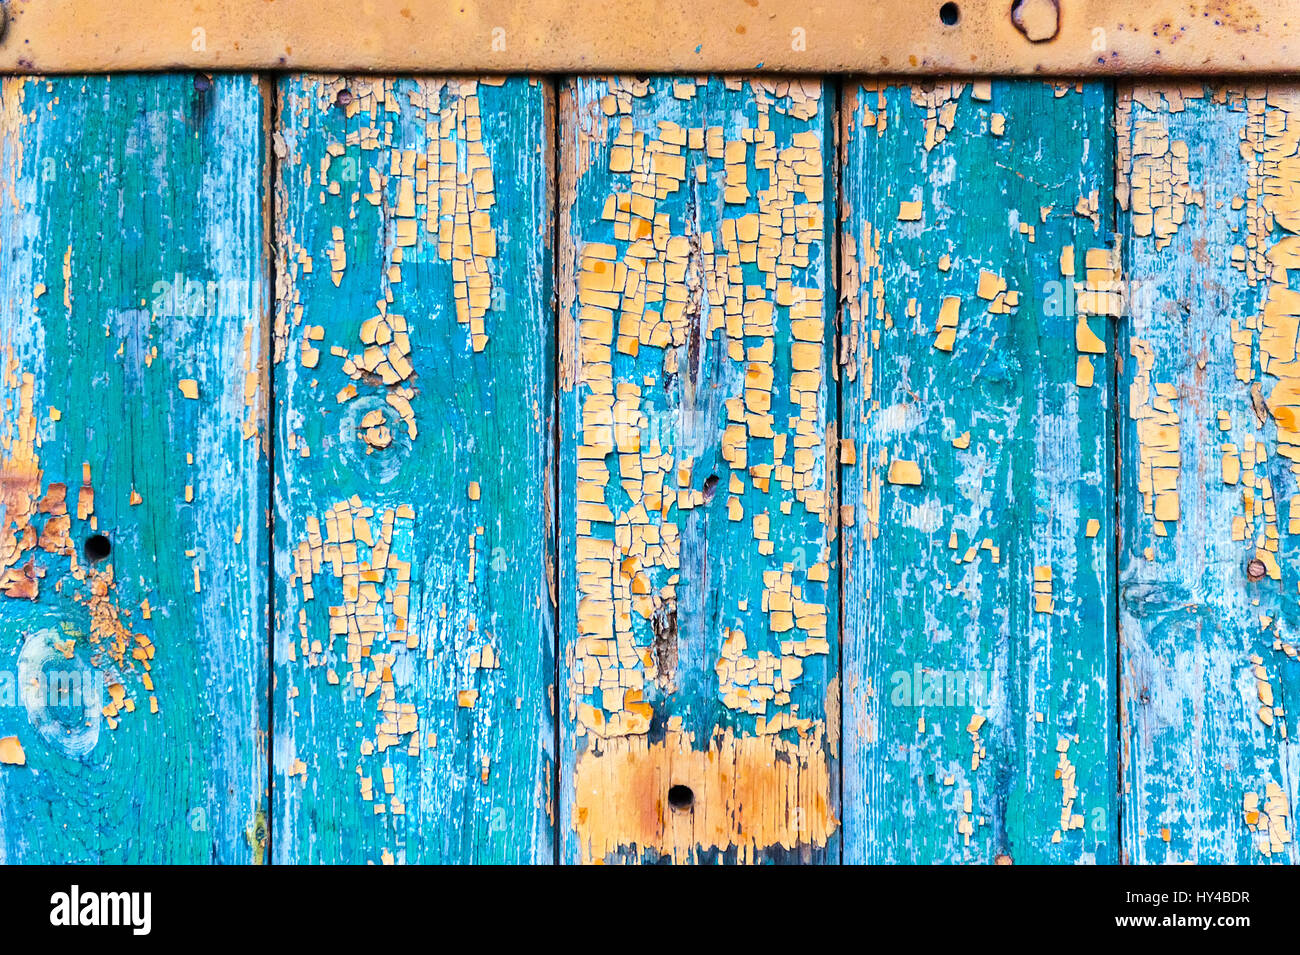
{"x": 977, "y": 436}
{"x": 1209, "y": 502}
{"x": 698, "y": 609}
{"x": 133, "y": 311}
{"x": 414, "y": 607}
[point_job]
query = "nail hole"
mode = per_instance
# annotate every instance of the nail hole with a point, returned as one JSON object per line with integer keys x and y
{"x": 96, "y": 548}
{"x": 343, "y": 98}
{"x": 681, "y": 797}
{"x": 202, "y": 82}
{"x": 949, "y": 14}
{"x": 1256, "y": 570}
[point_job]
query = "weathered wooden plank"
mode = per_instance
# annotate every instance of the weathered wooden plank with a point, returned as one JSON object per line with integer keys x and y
{"x": 414, "y": 607}
{"x": 979, "y": 636}
{"x": 133, "y": 307}
{"x": 1209, "y": 509}
{"x": 698, "y": 579}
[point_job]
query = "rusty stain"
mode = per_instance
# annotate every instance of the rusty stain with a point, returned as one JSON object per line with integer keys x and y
{"x": 36, "y": 520}
{"x": 747, "y": 794}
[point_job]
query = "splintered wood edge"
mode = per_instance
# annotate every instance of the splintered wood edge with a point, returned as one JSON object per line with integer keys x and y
{"x": 929, "y": 37}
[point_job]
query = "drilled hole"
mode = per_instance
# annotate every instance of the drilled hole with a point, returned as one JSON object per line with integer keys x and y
{"x": 1256, "y": 570}
{"x": 710, "y": 487}
{"x": 949, "y": 14}
{"x": 202, "y": 82}
{"x": 96, "y": 548}
{"x": 681, "y": 797}
{"x": 343, "y": 98}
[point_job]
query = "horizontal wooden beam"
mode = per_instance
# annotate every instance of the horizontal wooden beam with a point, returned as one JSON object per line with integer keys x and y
{"x": 915, "y": 37}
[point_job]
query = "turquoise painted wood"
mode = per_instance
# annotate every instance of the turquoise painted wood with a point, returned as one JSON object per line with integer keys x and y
{"x": 979, "y": 629}
{"x": 611, "y": 496}
{"x": 414, "y": 506}
{"x": 133, "y": 468}
{"x": 1209, "y": 509}
{"x": 698, "y": 603}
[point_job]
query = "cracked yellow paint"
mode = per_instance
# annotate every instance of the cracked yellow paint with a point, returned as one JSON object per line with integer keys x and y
{"x": 372, "y": 618}
{"x": 939, "y": 100}
{"x": 1269, "y": 821}
{"x": 1043, "y": 602}
{"x": 1271, "y": 147}
{"x": 442, "y": 195}
{"x": 1160, "y": 455}
{"x": 1066, "y": 773}
{"x": 645, "y": 298}
{"x": 1099, "y": 294}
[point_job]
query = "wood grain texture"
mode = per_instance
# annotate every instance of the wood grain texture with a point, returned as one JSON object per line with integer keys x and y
{"x": 133, "y": 307}
{"x": 979, "y": 635}
{"x": 1209, "y": 511}
{"x": 414, "y": 605}
{"x": 698, "y": 598}
{"x": 1070, "y": 549}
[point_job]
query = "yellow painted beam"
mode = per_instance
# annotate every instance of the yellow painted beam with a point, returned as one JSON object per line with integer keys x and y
{"x": 1011, "y": 37}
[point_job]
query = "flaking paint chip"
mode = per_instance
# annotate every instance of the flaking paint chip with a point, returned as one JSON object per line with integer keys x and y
{"x": 1083, "y": 374}
{"x": 990, "y": 284}
{"x": 904, "y": 472}
{"x": 11, "y": 752}
{"x": 189, "y": 387}
{"x": 1086, "y": 340}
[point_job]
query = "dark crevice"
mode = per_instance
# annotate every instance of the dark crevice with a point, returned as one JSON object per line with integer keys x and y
{"x": 1116, "y": 372}
{"x": 557, "y": 540}
{"x": 271, "y": 98}
{"x": 836, "y": 132}
{"x": 664, "y": 646}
